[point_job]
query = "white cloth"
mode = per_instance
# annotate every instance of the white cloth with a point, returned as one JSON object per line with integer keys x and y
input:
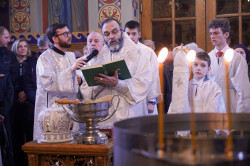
{"x": 132, "y": 92}
{"x": 54, "y": 79}
{"x": 181, "y": 76}
{"x": 238, "y": 80}
{"x": 155, "y": 88}
{"x": 207, "y": 96}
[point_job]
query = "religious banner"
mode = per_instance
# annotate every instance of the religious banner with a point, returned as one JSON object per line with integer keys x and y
{"x": 109, "y": 9}
{"x": 19, "y": 16}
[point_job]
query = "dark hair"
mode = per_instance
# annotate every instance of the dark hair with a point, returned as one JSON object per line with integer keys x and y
{"x": 51, "y": 30}
{"x": 43, "y": 41}
{"x": 222, "y": 23}
{"x": 2, "y": 28}
{"x": 132, "y": 25}
{"x": 245, "y": 49}
{"x": 204, "y": 56}
{"x": 109, "y": 20}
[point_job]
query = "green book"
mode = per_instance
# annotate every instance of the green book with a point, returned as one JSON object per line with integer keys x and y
{"x": 107, "y": 68}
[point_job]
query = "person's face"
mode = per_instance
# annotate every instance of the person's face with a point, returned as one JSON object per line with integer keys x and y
{"x": 22, "y": 48}
{"x": 112, "y": 36}
{"x": 134, "y": 34}
{"x": 241, "y": 52}
{"x": 149, "y": 45}
{"x": 63, "y": 37}
{"x": 95, "y": 42}
{"x": 217, "y": 37}
{"x": 4, "y": 38}
{"x": 43, "y": 48}
{"x": 200, "y": 68}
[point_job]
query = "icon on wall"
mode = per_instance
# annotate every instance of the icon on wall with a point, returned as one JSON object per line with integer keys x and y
{"x": 20, "y": 16}
{"x": 109, "y": 9}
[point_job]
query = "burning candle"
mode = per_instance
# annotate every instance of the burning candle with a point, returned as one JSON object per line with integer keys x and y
{"x": 227, "y": 59}
{"x": 190, "y": 57}
{"x": 162, "y": 56}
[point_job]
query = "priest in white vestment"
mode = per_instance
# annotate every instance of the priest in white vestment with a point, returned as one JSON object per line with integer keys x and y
{"x": 239, "y": 85}
{"x": 133, "y": 91}
{"x": 56, "y": 72}
{"x": 132, "y": 28}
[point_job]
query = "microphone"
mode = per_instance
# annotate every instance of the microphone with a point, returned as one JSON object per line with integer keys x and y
{"x": 92, "y": 55}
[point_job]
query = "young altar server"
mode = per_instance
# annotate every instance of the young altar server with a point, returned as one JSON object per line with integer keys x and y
{"x": 206, "y": 94}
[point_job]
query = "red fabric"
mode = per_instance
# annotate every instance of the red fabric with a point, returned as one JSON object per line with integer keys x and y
{"x": 219, "y": 54}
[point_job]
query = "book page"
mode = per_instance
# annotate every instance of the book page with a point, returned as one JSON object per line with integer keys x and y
{"x": 91, "y": 67}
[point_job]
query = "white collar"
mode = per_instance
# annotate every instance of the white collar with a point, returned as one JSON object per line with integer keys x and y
{"x": 223, "y": 50}
{"x": 198, "y": 82}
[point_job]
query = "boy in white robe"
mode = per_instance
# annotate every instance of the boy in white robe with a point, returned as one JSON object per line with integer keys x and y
{"x": 206, "y": 94}
{"x": 132, "y": 28}
{"x": 239, "y": 85}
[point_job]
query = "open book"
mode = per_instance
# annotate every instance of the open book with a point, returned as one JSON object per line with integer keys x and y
{"x": 107, "y": 68}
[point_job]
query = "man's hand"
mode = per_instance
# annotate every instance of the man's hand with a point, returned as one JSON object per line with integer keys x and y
{"x": 22, "y": 97}
{"x": 79, "y": 79}
{"x": 169, "y": 59}
{"x": 151, "y": 108}
{"x": 106, "y": 80}
{"x": 78, "y": 64}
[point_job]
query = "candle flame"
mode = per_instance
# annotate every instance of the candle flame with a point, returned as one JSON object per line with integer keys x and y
{"x": 229, "y": 55}
{"x": 163, "y": 54}
{"x": 191, "y": 55}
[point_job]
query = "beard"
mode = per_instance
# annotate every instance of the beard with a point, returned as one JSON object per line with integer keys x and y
{"x": 64, "y": 44}
{"x": 115, "y": 47}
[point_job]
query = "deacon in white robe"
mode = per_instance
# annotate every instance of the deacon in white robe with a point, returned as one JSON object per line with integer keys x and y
{"x": 238, "y": 80}
{"x": 155, "y": 88}
{"x": 132, "y": 92}
{"x": 54, "y": 79}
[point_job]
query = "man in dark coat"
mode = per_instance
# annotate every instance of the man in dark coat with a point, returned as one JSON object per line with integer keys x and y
{"x": 10, "y": 68}
{"x": 6, "y": 99}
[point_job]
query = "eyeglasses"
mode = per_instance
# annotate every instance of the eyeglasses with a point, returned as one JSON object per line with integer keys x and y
{"x": 65, "y": 34}
{"x": 113, "y": 32}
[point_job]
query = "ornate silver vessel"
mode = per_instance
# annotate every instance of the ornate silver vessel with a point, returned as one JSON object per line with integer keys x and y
{"x": 91, "y": 114}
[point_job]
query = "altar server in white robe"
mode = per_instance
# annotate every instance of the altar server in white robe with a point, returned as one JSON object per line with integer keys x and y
{"x": 132, "y": 28}
{"x": 239, "y": 85}
{"x": 56, "y": 72}
{"x": 206, "y": 94}
{"x": 133, "y": 91}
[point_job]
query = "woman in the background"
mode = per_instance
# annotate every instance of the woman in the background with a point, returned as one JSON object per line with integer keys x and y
{"x": 242, "y": 49}
{"x": 22, "y": 128}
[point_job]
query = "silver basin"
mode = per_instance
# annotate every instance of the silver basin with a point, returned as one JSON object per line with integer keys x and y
{"x": 135, "y": 141}
{"x": 93, "y": 111}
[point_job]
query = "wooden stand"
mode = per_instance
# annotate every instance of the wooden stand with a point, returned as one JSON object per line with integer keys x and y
{"x": 69, "y": 154}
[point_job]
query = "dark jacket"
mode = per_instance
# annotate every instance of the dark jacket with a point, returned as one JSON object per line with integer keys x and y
{"x": 6, "y": 100}
{"x": 9, "y": 61}
{"x": 29, "y": 78}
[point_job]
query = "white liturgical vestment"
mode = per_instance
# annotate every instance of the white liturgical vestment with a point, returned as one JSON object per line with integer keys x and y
{"x": 155, "y": 88}
{"x": 54, "y": 79}
{"x": 207, "y": 95}
{"x": 238, "y": 79}
{"x": 132, "y": 92}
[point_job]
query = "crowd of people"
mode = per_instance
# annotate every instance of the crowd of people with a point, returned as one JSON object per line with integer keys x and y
{"x": 29, "y": 81}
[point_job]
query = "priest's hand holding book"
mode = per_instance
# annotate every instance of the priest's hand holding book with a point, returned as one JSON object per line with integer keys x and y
{"x": 108, "y": 80}
{"x": 106, "y": 74}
